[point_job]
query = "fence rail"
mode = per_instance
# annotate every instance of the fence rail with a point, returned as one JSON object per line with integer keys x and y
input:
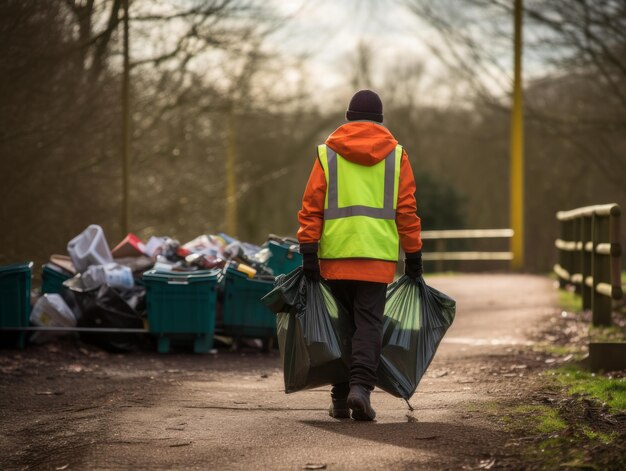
{"x": 440, "y": 254}
{"x": 589, "y": 253}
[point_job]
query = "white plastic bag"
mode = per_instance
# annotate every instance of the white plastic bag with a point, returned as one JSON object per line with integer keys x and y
{"x": 112, "y": 274}
{"x": 90, "y": 247}
{"x": 52, "y": 311}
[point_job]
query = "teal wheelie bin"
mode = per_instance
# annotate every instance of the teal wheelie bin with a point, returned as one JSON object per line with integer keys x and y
{"x": 182, "y": 305}
{"x": 15, "y": 285}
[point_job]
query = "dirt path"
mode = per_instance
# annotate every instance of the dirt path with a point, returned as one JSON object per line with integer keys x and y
{"x": 90, "y": 410}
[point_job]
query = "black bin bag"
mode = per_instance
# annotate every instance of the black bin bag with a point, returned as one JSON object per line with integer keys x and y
{"x": 416, "y": 319}
{"x": 315, "y": 332}
{"x": 122, "y": 308}
{"x": 310, "y": 325}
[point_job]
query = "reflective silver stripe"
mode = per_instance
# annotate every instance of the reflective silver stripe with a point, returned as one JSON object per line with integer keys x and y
{"x": 390, "y": 175}
{"x": 333, "y": 194}
{"x": 335, "y": 212}
{"x": 358, "y": 210}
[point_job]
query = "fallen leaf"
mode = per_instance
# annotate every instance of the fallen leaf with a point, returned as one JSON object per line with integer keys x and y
{"x": 65, "y": 466}
{"x": 315, "y": 466}
{"x": 487, "y": 464}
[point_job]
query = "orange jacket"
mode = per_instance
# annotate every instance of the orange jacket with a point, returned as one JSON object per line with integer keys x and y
{"x": 366, "y": 143}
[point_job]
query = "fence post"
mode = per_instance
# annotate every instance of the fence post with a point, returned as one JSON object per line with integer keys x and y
{"x": 615, "y": 253}
{"x": 563, "y": 255}
{"x": 569, "y": 255}
{"x": 577, "y": 265}
{"x": 600, "y": 304}
{"x": 440, "y": 246}
{"x": 586, "y": 261}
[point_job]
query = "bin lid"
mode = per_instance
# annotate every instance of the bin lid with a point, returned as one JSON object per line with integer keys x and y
{"x": 181, "y": 277}
{"x": 288, "y": 246}
{"x": 55, "y": 269}
{"x": 21, "y": 267}
{"x": 232, "y": 272}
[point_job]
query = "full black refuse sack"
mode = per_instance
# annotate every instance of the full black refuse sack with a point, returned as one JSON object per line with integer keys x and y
{"x": 416, "y": 319}
{"x": 310, "y": 325}
{"x": 315, "y": 331}
{"x": 109, "y": 307}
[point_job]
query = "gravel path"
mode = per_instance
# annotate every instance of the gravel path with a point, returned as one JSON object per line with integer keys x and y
{"x": 85, "y": 409}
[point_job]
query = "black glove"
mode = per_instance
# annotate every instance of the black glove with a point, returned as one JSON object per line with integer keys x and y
{"x": 310, "y": 262}
{"x": 413, "y": 265}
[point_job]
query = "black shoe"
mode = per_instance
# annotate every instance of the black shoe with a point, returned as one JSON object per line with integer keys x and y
{"x": 339, "y": 406}
{"x": 359, "y": 402}
{"x": 339, "y": 409}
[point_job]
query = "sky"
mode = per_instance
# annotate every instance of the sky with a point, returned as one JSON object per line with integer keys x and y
{"x": 328, "y": 31}
{"x": 324, "y": 35}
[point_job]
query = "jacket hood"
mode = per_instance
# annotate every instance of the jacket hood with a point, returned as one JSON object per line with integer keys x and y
{"x": 362, "y": 142}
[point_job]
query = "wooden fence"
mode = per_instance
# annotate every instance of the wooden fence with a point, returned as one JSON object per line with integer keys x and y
{"x": 589, "y": 254}
{"x": 440, "y": 255}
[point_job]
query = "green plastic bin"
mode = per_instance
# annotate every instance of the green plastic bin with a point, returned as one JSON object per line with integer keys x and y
{"x": 244, "y": 313}
{"x": 15, "y": 284}
{"x": 182, "y": 303}
{"x": 52, "y": 280}
{"x": 285, "y": 257}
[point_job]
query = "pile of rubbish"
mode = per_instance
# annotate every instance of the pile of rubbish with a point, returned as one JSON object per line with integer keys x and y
{"x": 96, "y": 286}
{"x": 217, "y": 284}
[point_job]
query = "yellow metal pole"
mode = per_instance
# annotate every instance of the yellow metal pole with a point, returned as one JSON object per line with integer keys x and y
{"x": 231, "y": 181}
{"x": 124, "y": 223}
{"x": 517, "y": 149}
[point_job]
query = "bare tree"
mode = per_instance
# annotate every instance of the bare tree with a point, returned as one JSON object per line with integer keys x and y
{"x": 583, "y": 48}
{"x": 59, "y": 114}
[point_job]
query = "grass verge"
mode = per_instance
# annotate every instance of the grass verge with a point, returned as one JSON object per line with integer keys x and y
{"x": 576, "y": 419}
{"x": 605, "y": 389}
{"x": 569, "y": 301}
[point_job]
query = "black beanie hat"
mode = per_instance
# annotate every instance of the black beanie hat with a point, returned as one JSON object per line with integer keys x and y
{"x": 365, "y": 104}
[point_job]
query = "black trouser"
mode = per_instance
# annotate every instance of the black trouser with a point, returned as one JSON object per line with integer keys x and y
{"x": 365, "y": 302}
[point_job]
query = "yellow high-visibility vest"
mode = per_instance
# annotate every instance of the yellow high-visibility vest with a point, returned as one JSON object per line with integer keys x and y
{"x": 360, "y": 207}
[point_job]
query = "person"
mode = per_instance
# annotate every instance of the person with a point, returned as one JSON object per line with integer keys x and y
{"x": 358, "y": 206}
